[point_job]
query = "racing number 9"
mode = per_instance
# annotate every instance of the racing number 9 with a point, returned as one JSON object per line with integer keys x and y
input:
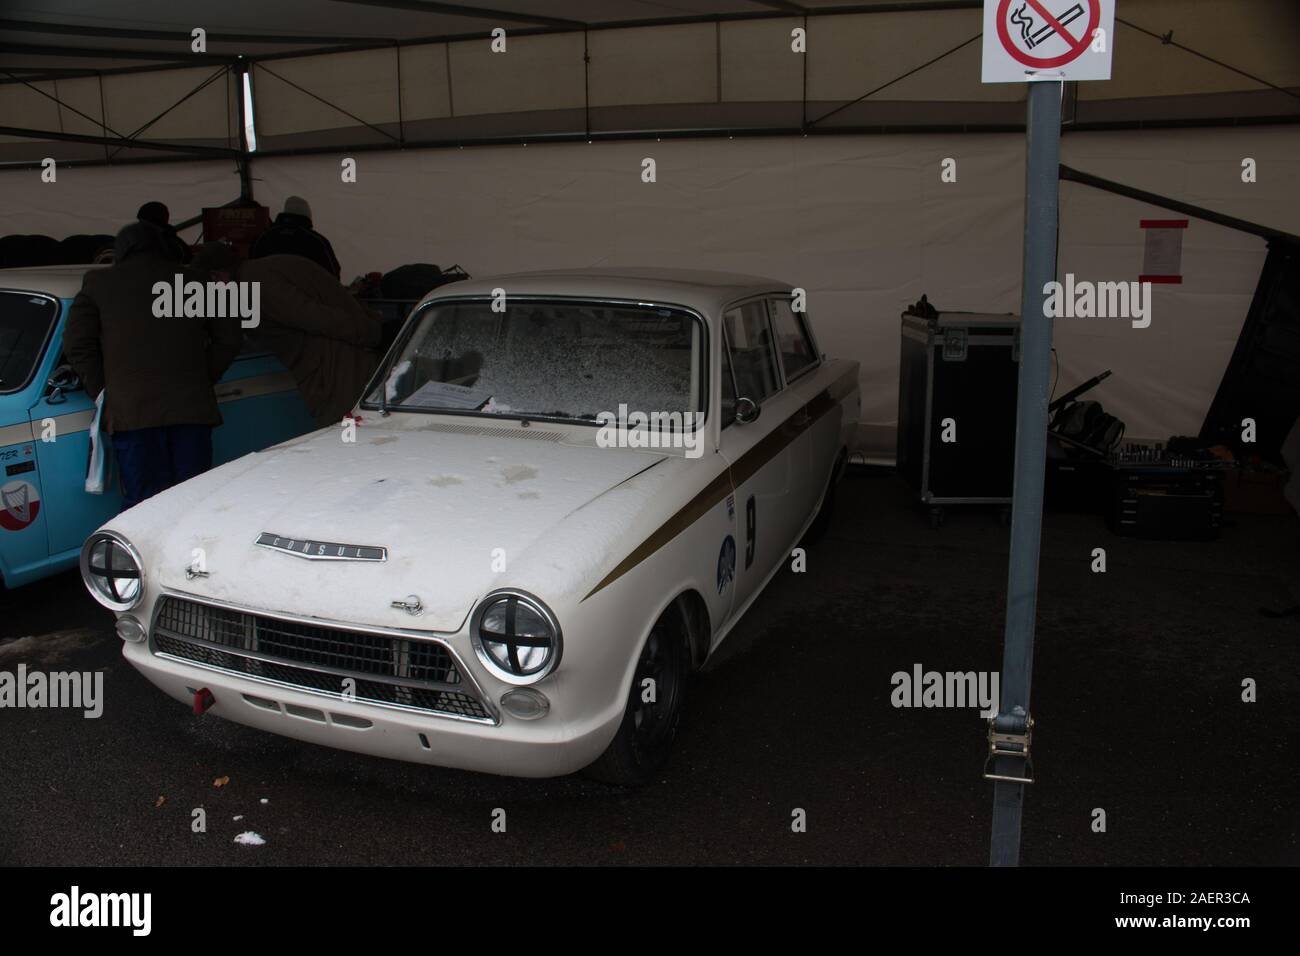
{"x": 751, "y": 525}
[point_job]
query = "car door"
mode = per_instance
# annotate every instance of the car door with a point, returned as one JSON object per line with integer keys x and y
{"x": 260, "y": 406}
{"x": 60, "y": 423}
{"x": 814, "y": 447}
{"x": 758, "y": 452}
{"x": 24, "y": 546}
{"x": 28, "y": 323}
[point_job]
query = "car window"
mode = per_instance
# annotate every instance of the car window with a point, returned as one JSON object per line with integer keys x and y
{"x": 25, "y": 322}
{"x": 797, "y": 355}
{"x": 749, "y": 337}
{"x": 565, "y": 359}
{"x": 728, "y": 409}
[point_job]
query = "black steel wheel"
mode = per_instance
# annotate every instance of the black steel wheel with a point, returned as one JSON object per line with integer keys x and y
{"x": 654, "y": 705}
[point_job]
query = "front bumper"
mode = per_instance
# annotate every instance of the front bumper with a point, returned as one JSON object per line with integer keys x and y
{"x": 557, "y": 744}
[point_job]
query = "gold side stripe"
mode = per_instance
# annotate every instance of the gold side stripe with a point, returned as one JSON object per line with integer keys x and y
{"x": 714, "y": 492}
{"x": 745, "y": 467}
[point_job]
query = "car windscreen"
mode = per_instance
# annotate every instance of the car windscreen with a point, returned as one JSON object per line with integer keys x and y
{"x": 533, "y": 358}
{"x": 25, "y": 323}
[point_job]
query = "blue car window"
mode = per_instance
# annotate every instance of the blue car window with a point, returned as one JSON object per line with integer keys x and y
{"x": 25, "y": 324}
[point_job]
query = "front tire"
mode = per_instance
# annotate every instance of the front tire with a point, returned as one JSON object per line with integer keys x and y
{"x": 646, "y": 733}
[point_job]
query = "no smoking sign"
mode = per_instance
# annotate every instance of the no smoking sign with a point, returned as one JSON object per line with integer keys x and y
{"x": 1047, "y": 39}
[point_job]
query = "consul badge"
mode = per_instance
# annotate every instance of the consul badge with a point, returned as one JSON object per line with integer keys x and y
{"x": 321, "y": 550}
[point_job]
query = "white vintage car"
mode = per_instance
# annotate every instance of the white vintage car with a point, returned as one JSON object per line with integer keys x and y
{"x": 559, "y": 494}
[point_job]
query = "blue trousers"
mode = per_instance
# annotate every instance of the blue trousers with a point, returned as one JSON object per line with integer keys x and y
{"x": 151, "y": 460}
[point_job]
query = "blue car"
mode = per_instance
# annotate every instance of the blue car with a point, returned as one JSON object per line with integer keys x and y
{"x": 45, "y": 511}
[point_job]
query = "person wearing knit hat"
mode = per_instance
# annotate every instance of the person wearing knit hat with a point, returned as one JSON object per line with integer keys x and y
{"x": 156, "y": 216}
{"x": 154, "y": 212}
{"x": 292, "y": 234}
{"x": 297, "y": 206}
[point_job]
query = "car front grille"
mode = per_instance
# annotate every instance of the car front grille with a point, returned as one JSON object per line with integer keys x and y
{"x": 388, "y": 669}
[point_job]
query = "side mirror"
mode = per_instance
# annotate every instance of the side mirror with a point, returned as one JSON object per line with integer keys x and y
{"x": 62, "y": 379}
{"x": 747, "y": 410}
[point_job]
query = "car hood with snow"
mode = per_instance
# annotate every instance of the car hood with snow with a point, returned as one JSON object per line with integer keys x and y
{"x": 453, "y": 509}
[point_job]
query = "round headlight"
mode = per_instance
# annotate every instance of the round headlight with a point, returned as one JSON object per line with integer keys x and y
{"x": 516, "y": 637}
{"x": 112, "y": 571}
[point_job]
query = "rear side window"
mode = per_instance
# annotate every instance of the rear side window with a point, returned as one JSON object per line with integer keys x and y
{"x": 797, "y": 355}
{"x": 25, "y": 324}
{"x": 749, "y": 339}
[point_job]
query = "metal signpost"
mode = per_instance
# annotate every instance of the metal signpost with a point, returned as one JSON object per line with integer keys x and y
{"x": 1044, "y": 43}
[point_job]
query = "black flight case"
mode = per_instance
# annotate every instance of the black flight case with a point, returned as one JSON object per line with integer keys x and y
{"x": 962, "y": 366}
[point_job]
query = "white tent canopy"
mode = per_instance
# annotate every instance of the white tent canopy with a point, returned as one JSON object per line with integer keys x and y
{"x": 575, "y": 67}
{"x": 862, "y": 221}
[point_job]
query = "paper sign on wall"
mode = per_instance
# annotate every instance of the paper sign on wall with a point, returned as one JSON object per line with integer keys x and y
{"x": 1163, "y": 257}
{"x": 1047, "y": 39}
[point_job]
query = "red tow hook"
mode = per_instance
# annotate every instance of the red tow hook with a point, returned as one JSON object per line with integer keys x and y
{"x": 203, "y": 700}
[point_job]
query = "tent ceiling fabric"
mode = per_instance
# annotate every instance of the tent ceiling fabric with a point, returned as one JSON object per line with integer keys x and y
{"x": 693, "y": 65}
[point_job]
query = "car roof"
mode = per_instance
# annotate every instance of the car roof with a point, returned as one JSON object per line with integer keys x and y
{"x": 61, "y": 281}
{"x": 703, "y": 291}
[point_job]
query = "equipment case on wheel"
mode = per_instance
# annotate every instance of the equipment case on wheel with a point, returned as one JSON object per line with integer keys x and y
{"x": 962, "y": 366}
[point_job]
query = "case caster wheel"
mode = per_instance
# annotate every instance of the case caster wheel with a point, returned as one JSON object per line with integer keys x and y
{"x": 936, "y": 517}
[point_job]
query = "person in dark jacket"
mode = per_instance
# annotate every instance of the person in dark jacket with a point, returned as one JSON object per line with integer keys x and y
{"x": 157, "y": 374}
{"x": 292, "y": 235}
{"x": 326, "y": 338}
{"x": 157, "y": 215}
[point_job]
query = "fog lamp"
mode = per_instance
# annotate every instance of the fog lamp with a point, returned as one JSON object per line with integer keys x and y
{"x": 525, "y": 703}
{"x": 129, "y": 629}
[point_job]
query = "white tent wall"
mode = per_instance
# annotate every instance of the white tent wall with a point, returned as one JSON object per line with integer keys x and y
{"x": 102, "y": 199}
{"x": 1166, "y": 375}
{"x": 865, "y": 224}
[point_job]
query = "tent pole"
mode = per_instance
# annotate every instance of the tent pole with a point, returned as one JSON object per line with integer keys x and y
{"x": 1009, "y": 764}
